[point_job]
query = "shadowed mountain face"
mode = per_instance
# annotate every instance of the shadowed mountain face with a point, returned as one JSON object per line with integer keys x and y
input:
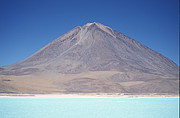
{"x": 93, "y": 58}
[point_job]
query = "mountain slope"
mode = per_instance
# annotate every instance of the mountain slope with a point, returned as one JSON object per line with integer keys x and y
{"x": 75, "y": 62}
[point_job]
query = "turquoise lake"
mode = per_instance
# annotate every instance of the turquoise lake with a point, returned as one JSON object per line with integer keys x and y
{"x": 44, "y": 107}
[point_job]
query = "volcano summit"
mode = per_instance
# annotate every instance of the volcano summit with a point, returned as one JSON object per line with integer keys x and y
{"x": 92, "y": 59}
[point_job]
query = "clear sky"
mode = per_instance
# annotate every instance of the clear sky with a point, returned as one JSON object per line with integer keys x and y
{"x": 28, "y": 25}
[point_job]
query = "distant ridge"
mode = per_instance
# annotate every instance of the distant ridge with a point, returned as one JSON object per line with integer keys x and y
{"x": 92, "y": 59}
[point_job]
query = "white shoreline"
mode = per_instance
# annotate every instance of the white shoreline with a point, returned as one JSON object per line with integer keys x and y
{"x": 89, "y": 95}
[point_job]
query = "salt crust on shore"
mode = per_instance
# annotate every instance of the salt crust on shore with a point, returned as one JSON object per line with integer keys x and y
{"x": 90, "y": 95}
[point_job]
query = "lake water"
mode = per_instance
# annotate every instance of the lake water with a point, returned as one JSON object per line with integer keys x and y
{"x": 44, "y": 107}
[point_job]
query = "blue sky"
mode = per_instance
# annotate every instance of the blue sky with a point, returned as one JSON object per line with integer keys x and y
{"x": 28, "y": 25}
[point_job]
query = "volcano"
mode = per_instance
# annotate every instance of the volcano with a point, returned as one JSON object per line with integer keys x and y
{"x": 92, "y": 59}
